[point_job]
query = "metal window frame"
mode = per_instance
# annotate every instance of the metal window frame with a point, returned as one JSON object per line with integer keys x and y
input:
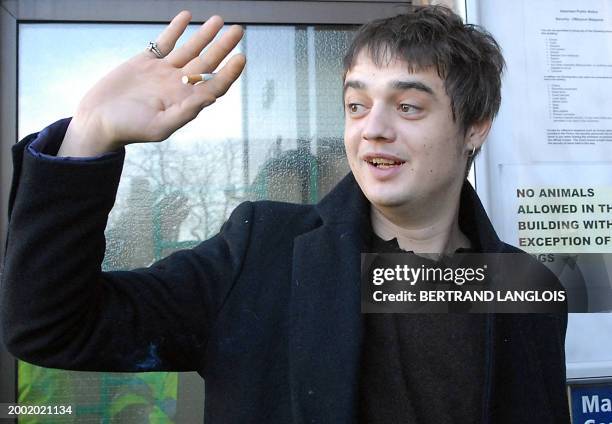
{"x": 14, "y": 12}
{"x": 242, "y": 11}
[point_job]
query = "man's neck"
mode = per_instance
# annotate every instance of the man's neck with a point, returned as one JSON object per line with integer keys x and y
{"x": 432, "y": 228}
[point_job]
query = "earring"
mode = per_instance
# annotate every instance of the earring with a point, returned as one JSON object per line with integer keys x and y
{"x": 473, "y": 152}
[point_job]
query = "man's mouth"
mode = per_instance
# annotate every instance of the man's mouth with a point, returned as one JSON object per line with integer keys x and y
{"x": 384, "y": 163}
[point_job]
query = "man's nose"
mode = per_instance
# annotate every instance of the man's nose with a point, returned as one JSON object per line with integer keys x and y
{"x": 378, "y": 126}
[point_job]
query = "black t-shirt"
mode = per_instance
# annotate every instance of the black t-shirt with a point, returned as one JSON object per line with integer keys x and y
{"x": 421, "y": 368}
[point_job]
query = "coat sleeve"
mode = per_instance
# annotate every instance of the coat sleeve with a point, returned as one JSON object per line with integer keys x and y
{"x": 59, "y": 310}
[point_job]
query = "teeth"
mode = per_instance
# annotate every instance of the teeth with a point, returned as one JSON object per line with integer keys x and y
{"x": 382, "y": 161}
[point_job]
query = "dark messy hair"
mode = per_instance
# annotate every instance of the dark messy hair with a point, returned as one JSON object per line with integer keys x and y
{"x": 467, "y": 58}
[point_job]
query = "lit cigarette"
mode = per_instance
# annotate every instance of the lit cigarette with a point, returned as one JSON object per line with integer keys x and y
{"x": 193, "y": 79}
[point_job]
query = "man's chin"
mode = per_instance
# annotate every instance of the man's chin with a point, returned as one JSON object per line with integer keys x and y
{"x": 387, "y": 200}
{"x": 384, "y": 193}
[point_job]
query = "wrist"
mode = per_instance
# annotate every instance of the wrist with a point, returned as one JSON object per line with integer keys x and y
{"x": 85, "y": 137}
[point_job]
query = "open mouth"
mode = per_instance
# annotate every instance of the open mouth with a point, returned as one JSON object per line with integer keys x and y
{"x": 384, "y": 163}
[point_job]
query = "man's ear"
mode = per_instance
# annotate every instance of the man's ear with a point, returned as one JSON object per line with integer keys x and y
{"x": 477, "y": 134}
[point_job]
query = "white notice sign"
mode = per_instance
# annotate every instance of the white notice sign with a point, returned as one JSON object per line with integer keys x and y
{"x": 569, "y": 78}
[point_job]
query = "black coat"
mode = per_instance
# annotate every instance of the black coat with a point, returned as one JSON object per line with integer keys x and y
{"x": 267, "y": 311}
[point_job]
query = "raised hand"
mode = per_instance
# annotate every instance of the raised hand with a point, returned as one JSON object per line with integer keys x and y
{"x": 144, "y": 100}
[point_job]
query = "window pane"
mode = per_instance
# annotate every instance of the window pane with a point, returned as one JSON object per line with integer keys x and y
{"x": 277, "y": 134}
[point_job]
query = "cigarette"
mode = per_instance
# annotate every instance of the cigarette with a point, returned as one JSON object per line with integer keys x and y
{"x": 195, "y": 78}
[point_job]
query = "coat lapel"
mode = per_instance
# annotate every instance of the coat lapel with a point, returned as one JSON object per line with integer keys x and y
{"x": 326, "y": 326}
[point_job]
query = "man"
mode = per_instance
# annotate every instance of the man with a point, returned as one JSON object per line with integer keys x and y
{"x": 268, "y": 311}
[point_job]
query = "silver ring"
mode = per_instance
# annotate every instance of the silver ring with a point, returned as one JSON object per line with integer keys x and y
{"x": 153, "y": 48}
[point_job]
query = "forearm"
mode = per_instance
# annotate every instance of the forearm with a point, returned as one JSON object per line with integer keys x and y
{"x": 55, "y": 246}
{"x": 60, "y": 310}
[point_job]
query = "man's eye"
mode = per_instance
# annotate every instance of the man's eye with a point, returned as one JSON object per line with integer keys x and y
{"x": 354, "y": 107}
{"x": 407, "y": 108}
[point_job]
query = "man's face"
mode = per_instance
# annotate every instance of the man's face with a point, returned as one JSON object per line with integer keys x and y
{"x": 401, "y": 141}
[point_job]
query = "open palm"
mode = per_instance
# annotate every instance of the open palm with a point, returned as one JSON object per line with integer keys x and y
{"x": 144, "y": 100}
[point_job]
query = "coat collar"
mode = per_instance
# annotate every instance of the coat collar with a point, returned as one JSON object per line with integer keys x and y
{"x": 346, "y": 204}
{"x": 326, "y": 326}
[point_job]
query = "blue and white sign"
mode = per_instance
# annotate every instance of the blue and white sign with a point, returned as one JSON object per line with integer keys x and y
{"x": 592, "y": 404}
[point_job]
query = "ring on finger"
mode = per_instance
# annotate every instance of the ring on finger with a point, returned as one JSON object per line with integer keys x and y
{"x": 152, "y": 47}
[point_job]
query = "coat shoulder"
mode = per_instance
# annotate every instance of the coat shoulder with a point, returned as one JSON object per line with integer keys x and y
{"x": 288, "y": 218}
